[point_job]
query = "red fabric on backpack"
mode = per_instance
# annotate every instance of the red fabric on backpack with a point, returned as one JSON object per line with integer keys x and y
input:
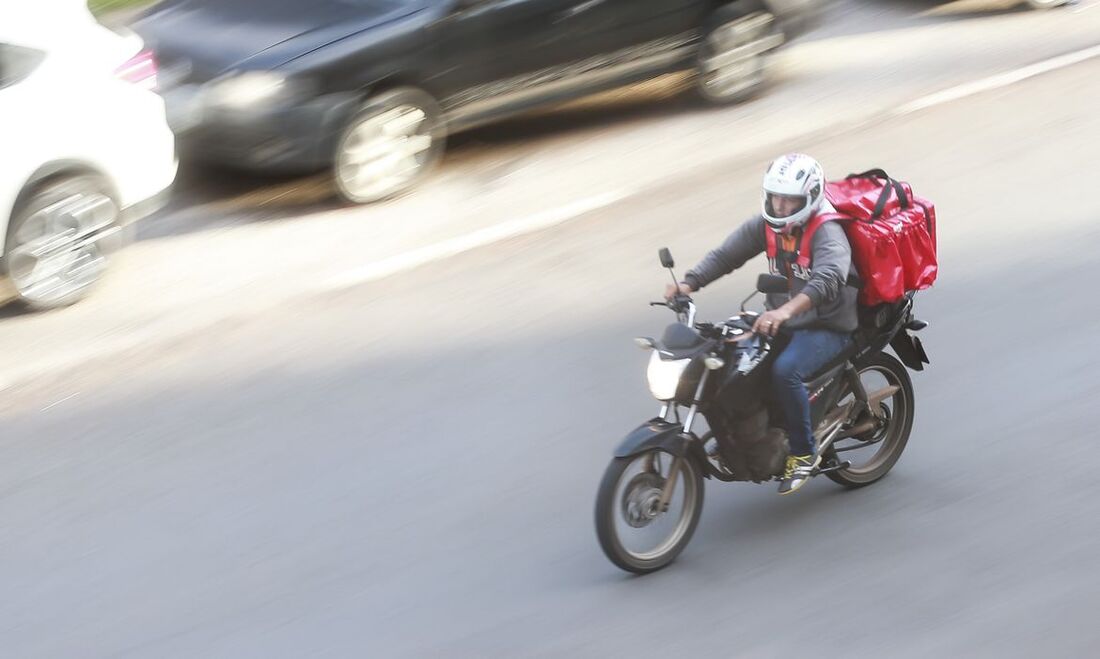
{"x": 915, "y": 247}
{"x": 926, "y": 269}
{"x": 892, "y": 234}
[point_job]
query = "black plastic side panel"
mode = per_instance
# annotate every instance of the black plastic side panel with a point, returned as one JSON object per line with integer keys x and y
{"x": 824, "y": 393}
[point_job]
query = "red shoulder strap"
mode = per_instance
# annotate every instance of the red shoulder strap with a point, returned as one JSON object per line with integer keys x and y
{"x": 769, "y": 236}
{"x": 805, "y": 249}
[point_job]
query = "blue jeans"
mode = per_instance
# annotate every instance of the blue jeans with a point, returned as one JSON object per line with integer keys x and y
{"x": 808, "y": 351}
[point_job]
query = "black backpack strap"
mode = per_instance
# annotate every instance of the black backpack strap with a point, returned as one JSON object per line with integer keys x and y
{"x": 883, "y": 198}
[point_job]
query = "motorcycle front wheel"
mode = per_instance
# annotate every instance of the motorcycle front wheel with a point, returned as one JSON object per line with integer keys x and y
{"x": 635, "y": 531}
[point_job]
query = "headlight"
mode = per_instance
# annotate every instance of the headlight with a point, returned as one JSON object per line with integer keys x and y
{"x": 664, "y": 376}
{"x": 244, "y": 90}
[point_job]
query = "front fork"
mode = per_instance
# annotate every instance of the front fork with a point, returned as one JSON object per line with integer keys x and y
{"x": 689, "y": 421}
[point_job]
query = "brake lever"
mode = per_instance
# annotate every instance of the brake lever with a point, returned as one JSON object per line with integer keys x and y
{"x": 681, "y": 303}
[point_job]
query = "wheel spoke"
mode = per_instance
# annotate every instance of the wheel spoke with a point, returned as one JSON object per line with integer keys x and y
{"x": 648, "y": 532}
{"x": 873, "y": 452}
{"x": 734, "y": 53}
{"x": 385, "y": 152}
{"x": 368, "y": 150}
{"x": 418, "y": 144}
{"x": 402, "y": 121}
{"x": 54, "y": 255}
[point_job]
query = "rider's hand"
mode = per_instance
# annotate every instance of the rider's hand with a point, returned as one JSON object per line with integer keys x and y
{"x": 770, "y": 321}
{"x": 683, "y": 289}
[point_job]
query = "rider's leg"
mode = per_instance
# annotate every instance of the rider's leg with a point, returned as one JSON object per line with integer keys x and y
{"x": 807, "y": 352}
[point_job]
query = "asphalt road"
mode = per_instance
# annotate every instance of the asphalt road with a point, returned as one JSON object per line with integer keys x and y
{"x": 407, "y": 468}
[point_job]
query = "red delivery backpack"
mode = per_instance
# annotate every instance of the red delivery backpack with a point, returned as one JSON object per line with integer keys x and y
{"x": 891, "y": 230}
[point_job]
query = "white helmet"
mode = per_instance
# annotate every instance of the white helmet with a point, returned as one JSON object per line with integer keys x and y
{"x": 793, "y": 175}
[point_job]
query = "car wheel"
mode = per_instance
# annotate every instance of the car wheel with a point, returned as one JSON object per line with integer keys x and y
{"x": 389, "y": 146}
{"x": 732, "y": 64}
{"x": 59, "y": 240}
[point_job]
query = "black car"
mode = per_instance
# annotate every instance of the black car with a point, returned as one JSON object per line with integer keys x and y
{"x": 371, "y": 88}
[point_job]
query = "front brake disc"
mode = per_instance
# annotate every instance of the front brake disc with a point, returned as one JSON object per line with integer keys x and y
{"x": 639, "y": 502}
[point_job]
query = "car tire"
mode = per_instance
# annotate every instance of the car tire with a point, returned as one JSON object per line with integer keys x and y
{"x": 390, "y": 145}
{"x": 59, "y": 240}
{"x": 732, "y": 64}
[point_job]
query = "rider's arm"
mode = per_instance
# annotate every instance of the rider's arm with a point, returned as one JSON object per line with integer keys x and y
{"x": 797, "y": 305}
{"x": 741, "y": 245}
{"x": 771, "y": 321}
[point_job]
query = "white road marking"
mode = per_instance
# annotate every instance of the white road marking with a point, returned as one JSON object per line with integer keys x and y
{"x": 480, "y": 238}
{"x": 997, "y": 81}
{"x": 58, "y": 402}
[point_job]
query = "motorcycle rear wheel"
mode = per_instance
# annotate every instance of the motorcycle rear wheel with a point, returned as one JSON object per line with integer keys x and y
{"x": 891, "y": 438}
{"x": 627, "y": 502}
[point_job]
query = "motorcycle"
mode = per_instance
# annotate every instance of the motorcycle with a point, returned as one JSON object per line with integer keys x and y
{"x": 651, "y": 495}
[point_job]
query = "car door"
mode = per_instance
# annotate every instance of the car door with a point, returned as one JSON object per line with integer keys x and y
{"x": 492, "y": 53}
{"x": 643, "y": 27}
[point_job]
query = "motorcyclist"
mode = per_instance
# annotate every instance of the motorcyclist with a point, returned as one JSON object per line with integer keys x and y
{"x": 820, "y": 308}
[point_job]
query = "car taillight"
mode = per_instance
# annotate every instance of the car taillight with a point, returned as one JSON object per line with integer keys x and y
{"x": 141, "y": 70}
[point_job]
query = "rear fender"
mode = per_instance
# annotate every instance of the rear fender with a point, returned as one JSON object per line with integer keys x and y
{"x": 909, "y": 350}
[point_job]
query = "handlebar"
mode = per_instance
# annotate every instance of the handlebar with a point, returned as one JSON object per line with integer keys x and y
{"x": 682, "y": 305}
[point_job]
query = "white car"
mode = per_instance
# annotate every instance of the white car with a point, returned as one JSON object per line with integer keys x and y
{"x": 85, "y": 147}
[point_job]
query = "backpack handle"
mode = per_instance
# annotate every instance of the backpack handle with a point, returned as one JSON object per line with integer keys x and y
{"x": 880, "y": 205}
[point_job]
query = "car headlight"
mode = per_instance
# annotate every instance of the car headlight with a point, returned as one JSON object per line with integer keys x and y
{"x": 664, "y": 376}
{"x": 245, "y": 90}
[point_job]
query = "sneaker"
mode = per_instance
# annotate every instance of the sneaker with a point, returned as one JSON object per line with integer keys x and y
{"x": 797, "y": 474}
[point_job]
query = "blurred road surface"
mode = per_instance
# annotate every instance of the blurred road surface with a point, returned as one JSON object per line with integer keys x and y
{"x": 407, "y": 468}
{"x": 233, "y": 246}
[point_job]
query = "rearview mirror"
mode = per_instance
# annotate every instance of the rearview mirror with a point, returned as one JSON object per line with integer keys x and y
{"x": 773, "y": 284}
{"x": 666, "y": 258}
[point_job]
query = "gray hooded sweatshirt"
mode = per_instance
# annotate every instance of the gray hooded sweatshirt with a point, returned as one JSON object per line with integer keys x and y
{"x": 825, "y": 281}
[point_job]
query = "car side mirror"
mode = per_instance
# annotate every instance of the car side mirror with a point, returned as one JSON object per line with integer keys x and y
{"x": 773, "y": 284}
{"x": 666, "y": 258}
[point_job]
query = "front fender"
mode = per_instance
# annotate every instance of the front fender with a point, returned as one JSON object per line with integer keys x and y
{"x": 670, "y": 437}
{"x": 654, "y": 434}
